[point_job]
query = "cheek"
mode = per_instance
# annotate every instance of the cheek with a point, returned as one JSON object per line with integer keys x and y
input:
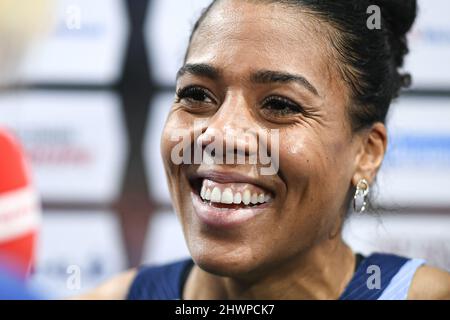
{"x": 302, "y": 157}
{"x": 315, "y": 170}
{"x": 309, "y": 157}
{"x": 175, "y": 129}
{"x": 167, "y": 145}
{"x": 175, "y": 135}
{"x": 303, "y": 167}
{"x": 177, "y": 132}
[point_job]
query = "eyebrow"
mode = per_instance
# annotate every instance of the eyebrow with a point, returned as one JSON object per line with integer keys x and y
{"x": 260, "y": 76}
{"x": 199, "y": 69}
{"x": 268, "y": 76}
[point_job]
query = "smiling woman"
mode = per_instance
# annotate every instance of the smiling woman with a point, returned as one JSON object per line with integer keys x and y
{"x": 314, "y": 73}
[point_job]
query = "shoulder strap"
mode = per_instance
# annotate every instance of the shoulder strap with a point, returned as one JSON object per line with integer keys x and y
{"x": 160, "y": 282}
{"x": 388, "y": 264}
{"x": 400, "y": 283}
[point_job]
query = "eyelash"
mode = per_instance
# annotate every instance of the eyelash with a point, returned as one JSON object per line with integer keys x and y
{"x": 283, "y": 106}
{"x": 190, "y": 92}
{"x": 287, "y": 106}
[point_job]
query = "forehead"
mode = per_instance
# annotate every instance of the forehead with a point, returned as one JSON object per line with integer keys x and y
{"x": 240, "y": 36}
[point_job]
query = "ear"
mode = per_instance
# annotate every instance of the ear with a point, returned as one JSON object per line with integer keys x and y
{"x": 372, "y": 148}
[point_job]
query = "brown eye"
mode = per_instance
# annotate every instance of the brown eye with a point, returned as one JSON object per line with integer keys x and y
{"x": 281, "y": 106}
{"x": 194, "y": 94}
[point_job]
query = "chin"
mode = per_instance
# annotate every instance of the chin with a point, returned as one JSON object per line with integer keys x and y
{"x": 227, "y": 261}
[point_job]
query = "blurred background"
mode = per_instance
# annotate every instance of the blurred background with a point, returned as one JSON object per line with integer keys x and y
{"x": 86, "y": 86}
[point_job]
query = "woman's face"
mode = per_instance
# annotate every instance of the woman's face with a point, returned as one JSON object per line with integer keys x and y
{"x": 241, "y": 59}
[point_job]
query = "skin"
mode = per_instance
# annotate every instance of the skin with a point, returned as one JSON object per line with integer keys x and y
{"x": 320, "y": 157}
{"x": 294, "y": 249}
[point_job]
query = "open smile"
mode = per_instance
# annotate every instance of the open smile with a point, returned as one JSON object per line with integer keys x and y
{"x": 227, "y": 199}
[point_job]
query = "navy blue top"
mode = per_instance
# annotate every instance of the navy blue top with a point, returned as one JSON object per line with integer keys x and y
{"x": 166, "y": 282}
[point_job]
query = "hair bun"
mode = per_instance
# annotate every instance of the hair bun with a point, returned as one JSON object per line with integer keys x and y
{"x": 400, "y": 14}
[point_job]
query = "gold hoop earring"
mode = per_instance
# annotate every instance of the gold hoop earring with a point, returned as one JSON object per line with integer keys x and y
{"x": 359, "y": 199}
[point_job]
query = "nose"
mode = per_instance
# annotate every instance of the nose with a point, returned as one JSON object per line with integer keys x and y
{"x": 233, "y": 126}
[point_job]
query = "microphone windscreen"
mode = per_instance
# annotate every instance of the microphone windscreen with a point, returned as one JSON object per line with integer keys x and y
{"x": 19, "y": 208}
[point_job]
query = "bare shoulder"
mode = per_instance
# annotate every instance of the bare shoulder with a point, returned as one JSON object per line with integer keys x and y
{"x": 115, "y": 288}
{"x": 430, "y": 283}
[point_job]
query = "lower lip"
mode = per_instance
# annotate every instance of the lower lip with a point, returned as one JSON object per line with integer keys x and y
{"x": 224, "y": 217}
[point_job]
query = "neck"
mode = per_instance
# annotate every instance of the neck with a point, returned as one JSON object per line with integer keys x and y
{"x": 322, "y": 272}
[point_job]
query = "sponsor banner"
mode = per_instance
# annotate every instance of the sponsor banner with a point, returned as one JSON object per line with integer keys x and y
{"x": 77, "y": 251}
{"x": 413, "y": 235}
{"x": 166, "y": 31}
{"x": 416, "y": 168}
{"x": 76, "y": 142}
{"x": 429, "y": 43}
{"x": 165, "y": 241}
{"x": 156, "y": 177}
{"x": 86, "y": 44}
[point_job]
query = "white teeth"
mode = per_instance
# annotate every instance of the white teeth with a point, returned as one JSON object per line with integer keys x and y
{"x": 246, "y": 197}
{"x": 237, "y": 198}
{"x": 202, "y": 192}
{"x": 227, "y": 196}
{"x": 261, "y": 198}
{"x": 208, "y": 194}
{"x": 216, "y": 195}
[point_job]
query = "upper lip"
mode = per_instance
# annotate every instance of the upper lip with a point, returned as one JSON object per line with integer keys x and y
{"x": 222, "y": 176}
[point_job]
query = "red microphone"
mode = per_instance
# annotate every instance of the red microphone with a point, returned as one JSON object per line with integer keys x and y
{"x": 19, "y": 208}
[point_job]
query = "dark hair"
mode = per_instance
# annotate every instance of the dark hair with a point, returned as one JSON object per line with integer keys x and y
{"x": 371, "y": 58}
